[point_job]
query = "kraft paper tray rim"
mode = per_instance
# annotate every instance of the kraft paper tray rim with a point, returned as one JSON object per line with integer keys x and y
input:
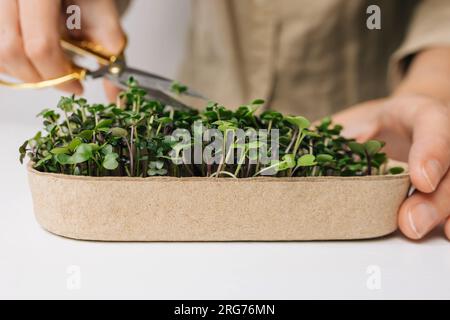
{"x": 404, "y": 175}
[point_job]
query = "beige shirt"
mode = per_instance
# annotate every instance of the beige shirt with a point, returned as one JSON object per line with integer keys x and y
{"x": 309, "y": 57}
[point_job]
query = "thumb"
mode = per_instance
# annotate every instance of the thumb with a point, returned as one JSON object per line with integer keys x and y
{"x": 100, "y": 23}
{"x": 112, "y": 40}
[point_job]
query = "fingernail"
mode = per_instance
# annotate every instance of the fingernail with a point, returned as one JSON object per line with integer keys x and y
{"x": 432, "y": 171}
{"x": 422, "y": 218}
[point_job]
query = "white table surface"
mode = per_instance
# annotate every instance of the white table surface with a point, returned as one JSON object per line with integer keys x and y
{"x": 36, "y": 264}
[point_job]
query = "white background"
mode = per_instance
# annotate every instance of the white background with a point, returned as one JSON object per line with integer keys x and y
{"x": 35, "y": 264}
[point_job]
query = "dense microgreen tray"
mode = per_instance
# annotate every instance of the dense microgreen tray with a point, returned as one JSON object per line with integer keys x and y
{"x": 135, "y": 137}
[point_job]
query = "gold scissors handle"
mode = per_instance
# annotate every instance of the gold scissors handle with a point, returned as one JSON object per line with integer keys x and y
{"x": 80, "y": 48}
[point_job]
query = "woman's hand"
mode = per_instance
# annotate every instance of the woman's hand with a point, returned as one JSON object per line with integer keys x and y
{"x": 415, "y": 129}
{"x": 30, "y": 31}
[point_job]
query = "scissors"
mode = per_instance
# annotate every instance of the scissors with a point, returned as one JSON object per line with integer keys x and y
{"x": 113, "y": 68}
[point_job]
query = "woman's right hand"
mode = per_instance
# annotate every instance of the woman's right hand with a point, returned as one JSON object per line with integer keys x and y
{"x": 30, "y": 31}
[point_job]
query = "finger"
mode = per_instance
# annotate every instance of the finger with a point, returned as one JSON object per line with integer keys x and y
{"x": 12, "y": 54}
{"x": 429, "y": 157}
{"x": 111, "y": 90}
{"x": 103, "y": 29}
{"x": 39, "y": 21}
{"x": 422, "y": 212}
{"x": 360, "y": 122}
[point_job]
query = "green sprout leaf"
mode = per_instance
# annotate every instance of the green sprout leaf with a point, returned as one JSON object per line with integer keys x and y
{"x": 288, "y": 162}
{"x": 86, "y": 134}
{"x": 307, "y": 160}
{"x": 356, "y": 147}
{"x": 74, "y": 144}
{"x": 258, "y": 102}
{"x": 82, "y": 154}
{"x": 63, "y": 159}
{"x": 43, "y": 161}
{"x": 104, "y": 124}
{"x": 60, "y": 150}
{"x": 225, "y": 125}
{"x": 110, "y": 161}
{"x": 156, "y": 168}
{"x": 323, "y": 158}
{"x": 65, "y": 104}
{"x": 119, "y": 132}
{"x": 396, "y": 170}
{"x": 165, "y": 120}
{"x": 372, "y": 147}
{"x": 178, "y": 88}
{"x": 23, "y": 151}
{"x": 299, "y": 122}
{"x": 107, "y": 149}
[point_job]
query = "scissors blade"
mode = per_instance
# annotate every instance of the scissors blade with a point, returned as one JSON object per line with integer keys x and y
{"x": 154, "y": 81}
{"x": 122, "y": 81}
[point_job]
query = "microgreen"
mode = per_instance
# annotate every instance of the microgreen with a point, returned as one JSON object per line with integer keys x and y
{"x": 178, "y": 88}
{"x": 133, "y": 138}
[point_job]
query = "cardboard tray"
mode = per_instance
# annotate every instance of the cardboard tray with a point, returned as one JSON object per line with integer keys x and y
{"x": 211, "y": 209}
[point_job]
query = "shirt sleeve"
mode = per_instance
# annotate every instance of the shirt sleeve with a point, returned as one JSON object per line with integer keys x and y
{"x": 429, "y": 27}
